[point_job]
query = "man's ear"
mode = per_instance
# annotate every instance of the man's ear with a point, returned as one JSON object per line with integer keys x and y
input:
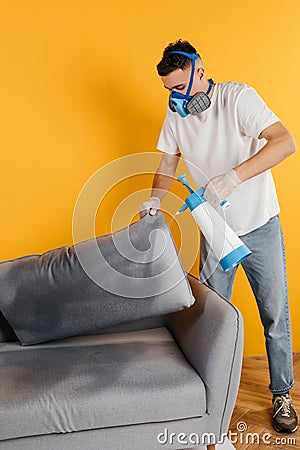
{"x": 200, "y": 72}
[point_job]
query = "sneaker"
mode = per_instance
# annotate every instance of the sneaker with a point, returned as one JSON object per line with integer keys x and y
{"x": 285, "y": 419}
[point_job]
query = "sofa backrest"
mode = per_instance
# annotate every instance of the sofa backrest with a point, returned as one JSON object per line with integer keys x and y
{"x": 132, "y": 274}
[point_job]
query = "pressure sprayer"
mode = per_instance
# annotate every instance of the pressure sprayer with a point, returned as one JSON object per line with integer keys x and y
{"x": 226, "y": 245}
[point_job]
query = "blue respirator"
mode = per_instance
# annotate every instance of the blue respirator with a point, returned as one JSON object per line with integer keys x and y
{"x": 190, "y": 104}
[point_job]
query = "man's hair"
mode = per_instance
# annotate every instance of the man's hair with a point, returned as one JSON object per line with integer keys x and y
{"x": 173, "y": 61}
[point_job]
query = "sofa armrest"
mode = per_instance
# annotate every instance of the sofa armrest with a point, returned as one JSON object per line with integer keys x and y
{"x": 210, "y": 334}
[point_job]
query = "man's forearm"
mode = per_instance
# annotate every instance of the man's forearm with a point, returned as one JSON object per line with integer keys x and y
{"x": 275, "y": 151}
{"x": 161, "y": 185}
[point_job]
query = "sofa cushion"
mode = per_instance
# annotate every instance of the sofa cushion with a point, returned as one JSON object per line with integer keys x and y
{"x": 129, "y": 275}
{"x": 91, "y": 382}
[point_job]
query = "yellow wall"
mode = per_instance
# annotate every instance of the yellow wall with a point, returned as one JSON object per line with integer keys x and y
{"x": 79, "y": 89}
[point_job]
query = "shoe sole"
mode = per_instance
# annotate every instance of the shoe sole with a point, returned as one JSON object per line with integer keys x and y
{"x": 285, "y": 431}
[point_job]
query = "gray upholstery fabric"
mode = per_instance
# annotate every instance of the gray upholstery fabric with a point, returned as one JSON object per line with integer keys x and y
{"x": 211, "y": 336}
{"x": 95, "y": 382}
{"x": 132, "y": 274}
{"x": 6, "y": 331}
{"x": 133, "y": 437}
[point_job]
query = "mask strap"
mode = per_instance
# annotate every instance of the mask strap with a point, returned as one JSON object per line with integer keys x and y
{"x": 193, "y": 57}
{"x": 191, "y": 80}
{"x": 211, "y": 82}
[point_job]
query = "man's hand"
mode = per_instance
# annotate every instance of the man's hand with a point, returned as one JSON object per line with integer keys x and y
{"x": 151, "y": 207}
{"x": 221, "y": 186}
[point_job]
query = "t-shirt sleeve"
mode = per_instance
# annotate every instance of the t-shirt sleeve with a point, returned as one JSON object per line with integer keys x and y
{"x": 166, "y": 141}
{"x": 254, "y": 114}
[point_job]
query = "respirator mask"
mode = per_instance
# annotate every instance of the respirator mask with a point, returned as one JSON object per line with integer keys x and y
{"x": 190, "y": 104}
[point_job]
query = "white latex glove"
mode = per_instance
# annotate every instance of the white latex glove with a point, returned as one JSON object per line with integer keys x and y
{"x": 151, "y": 206}
{"x": 220, "y": 187}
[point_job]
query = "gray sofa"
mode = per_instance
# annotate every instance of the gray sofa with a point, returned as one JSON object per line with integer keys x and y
{"x": 161, "y": 382}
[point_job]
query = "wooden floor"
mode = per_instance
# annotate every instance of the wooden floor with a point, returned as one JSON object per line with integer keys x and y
{"x": 253, "y": 410}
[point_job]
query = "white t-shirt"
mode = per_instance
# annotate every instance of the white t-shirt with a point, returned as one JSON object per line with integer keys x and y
{"x": 220, "y": 138}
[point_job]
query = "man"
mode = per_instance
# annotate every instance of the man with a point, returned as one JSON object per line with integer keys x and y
{"x": 228, "y": 136}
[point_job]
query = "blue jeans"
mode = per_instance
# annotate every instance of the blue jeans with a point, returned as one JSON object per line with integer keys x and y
{"x": 265, "y": 269}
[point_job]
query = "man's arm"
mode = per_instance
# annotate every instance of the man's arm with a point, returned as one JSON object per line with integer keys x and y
{"x": 164, "y": 176}
{"x": 280, "y": 145}
{"x": 162, "y": 183}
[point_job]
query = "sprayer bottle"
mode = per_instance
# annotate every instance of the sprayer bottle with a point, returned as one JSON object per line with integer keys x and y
{"x": 226, "y": 245}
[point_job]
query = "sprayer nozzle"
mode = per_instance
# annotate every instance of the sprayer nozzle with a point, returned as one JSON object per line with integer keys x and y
{"x": 183, "y": 208}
